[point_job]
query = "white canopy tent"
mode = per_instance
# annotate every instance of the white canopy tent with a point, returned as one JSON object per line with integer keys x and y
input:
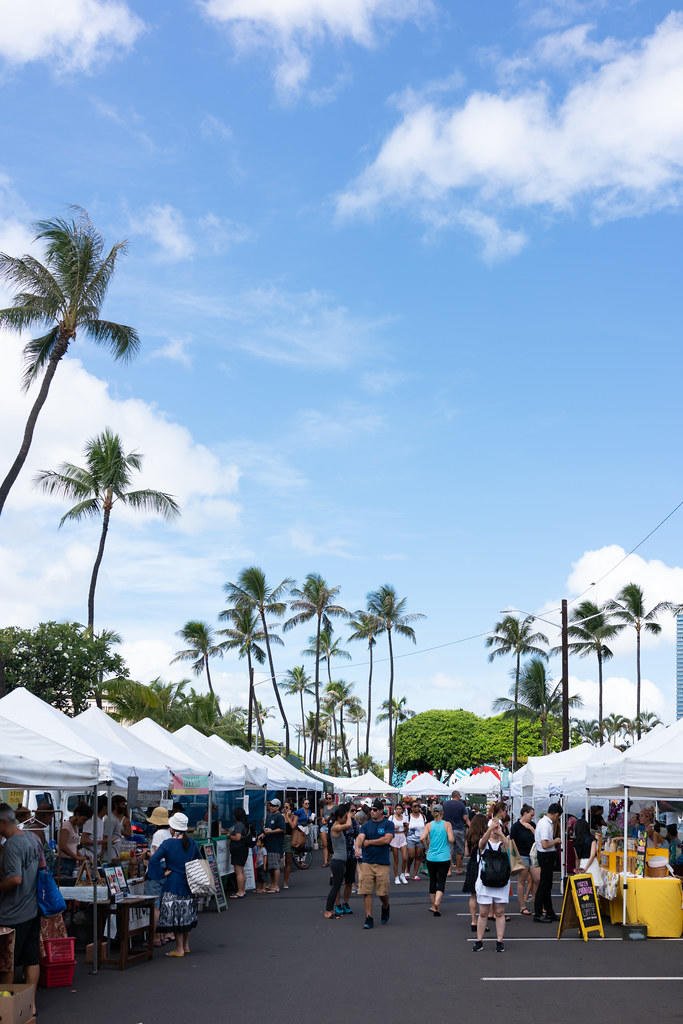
{"x": 563, "y": 773}
{"x": 357, "y": 785}
{"x": 228, "y": 774}
{"x": 150, "y": 767}
{"x": 481, "y": 784}
{"x": 156, "y": 736}
{"x": 425, "y": 785}
{"x": 258, "y": 770}
{"x": 299, "y": 779}
{"x": 35, "y": 714}
{"x": 653, "y": 767}
{"x": 31, "y": 761}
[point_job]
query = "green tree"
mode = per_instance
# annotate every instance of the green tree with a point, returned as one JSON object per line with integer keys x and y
{"x": 389, "y": 610}
{"x": 538, "y": 698}
{"x": 64, "y": 293}
{"x": 297, "y": 681}
{"x": 60, "y": 662}
{"x": 315, "y": 600}
{"x": 103, "y": 482}
{"x": 246, "y": 636}
{"x": 318, "y": 732}
{"x": 253, "y": 590}
{"x": 366, "y": 627}
{"x": 585, "y": 731}
{"x": 364, "y": 763}
{"x": 629, "y": 608}
{"x": 340, "y": 697}
{"x": 202, "y": 646}
{"x": 616, "y": 727}
{"x": 397, "y": 712}
{"x": 437, "y": 740}
{"x": 355, "y": 714}
{"x": 589, "y": 629}
{"x": 515, "y": 636}
{"x": 164, "y": 703}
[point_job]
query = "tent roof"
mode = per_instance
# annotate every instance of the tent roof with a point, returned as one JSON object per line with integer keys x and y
{"x": 425, "y": 785}
{"x": 480, "y": 784}
{"x": 357, "y": 785}
{"x": 652, "y": 767}
{"x": 226, "y": 775}
{"x": 564, "y": 771}
{"x": 256, "y": 773}
{"x": 149, "y": 765}
{"x": 30, "y": 760}
{"x": 156, "y": 736}
{"x": 26, "y": 709}
{"x": 299, "y": 780}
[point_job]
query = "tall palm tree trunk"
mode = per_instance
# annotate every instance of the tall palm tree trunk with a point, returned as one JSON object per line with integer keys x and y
{"x": 314, "y": 755}
{"x": 16, "y": 467}
{"x": 250, "y": 720}
{"x": 638, "y": 680}
{"x": 211, "y": 689}
{"x": 259, "y": 723}
{"x": 278, "y": 698}
{"x": 367, "y": 728}
{"x": 515, "y": 720}
{"x": 391, "y": 708}
{"x": 345, "y": 753}
{"x": 303, "y": 722}
{"x": 602, "y": 737}
{"x": 98, "y": 561}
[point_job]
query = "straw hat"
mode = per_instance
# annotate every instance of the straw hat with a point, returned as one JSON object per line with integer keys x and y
{"x": 159, "y": 816}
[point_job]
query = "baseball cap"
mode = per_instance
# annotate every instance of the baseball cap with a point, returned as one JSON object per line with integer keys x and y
{"x": 274, "y": 803}
{"x": 378, "y": 805}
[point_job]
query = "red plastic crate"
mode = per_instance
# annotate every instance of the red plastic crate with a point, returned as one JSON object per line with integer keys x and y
{"x": 57, "y": 975}
{"x": 59, "y": 951}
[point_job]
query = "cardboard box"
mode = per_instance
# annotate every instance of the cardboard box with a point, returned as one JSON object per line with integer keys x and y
{"x": 89, "y": 950}
{"x": 19, "y": 1008}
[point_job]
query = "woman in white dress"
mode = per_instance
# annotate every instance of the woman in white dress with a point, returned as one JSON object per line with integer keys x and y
{"x": 488, "y": 896}
{"x": 416, "y": 826}
{"x": 399, "y": 848}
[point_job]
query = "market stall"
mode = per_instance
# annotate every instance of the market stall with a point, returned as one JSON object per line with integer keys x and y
{"x": 425, "y": 785}
{"x": 367, "y": 784}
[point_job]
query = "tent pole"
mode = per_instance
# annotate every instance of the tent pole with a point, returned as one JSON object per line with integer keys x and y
{"x": 109, "y": 847}
{"x": 95, "y": 922}
{"x": 625, "y": 861}
{"x": 586, "y": 805}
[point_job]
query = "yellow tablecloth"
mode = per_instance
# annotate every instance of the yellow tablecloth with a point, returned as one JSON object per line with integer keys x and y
{"x": 655, "y": 902}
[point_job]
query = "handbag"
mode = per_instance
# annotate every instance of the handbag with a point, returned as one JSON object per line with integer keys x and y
{"x": 50, "y": 899}
{"x": 199, "y": 878}
{"x": 533, "y": 855}
{"x": 516, "y": 862}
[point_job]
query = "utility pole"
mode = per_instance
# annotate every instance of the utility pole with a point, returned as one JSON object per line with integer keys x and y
{"x": 565, "y": 677}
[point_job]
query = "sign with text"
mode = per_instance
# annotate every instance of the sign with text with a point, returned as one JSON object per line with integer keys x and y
{"x": 580, "y": 907}
{"x": 209, "y": 854}
{"x": 186, "y": 784}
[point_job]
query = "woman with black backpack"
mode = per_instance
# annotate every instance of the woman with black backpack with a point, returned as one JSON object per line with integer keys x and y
{"x": 493, "y": 882}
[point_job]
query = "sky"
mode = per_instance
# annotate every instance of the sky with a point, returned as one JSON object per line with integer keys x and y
{"x": 406, "y": 275}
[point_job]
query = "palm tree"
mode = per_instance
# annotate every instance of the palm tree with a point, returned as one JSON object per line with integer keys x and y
{"x": 389, "y": 610}
{"x": 315, "y": 600}
{"x": 253, "y": 591}
{"x": 647, "y": 720}
{"x": 615, "y": 726}
{"x": 103, "y": 642}
{"x": 64, "y": 293}
{"x": 319, "y": 734}
{"x": 339, "y": 696}
{"x": 591, "y": 626}
{"x": 245, "y": 635}
{"x": 585, "y": 731}
{"x": 298, "y": 681}
{"x": 97, "y": 488}
{"x": 629, "y": 608}
{"x": 164, "y": 703}
{"x": 364, "y": 763}
{"x": 355, "y": 713}
{"x": 202, "y": 646}
{"x": 395, "y": 711}
{"x": 366, "y": 627}
{"x": 514, "y": 636}
{"x": 538, "y": 699}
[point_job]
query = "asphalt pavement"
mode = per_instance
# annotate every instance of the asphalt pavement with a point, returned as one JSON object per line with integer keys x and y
{"x": 274, "y": 958}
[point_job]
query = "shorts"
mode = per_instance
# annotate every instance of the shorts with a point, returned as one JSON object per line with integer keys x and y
{"x": 350, "y": 871}
{"x": 526, "y": 861}
{"x": 459, "y": 841}
{"x": 274, "y": 861}
{"x": 287, "y": 848}
{"x": 416, "y": 847}
{"x": 374, "y": 879}
{"x": 153, "y": 888}
{"x": 239, "y": 856}
{"x": 398, "y": 841}
{"x": 27, "y": 943}
{"x": 485, "y": 901}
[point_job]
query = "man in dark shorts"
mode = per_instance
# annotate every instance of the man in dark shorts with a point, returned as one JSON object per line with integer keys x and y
{"x": 455, "y": 811}
{"x": 19, "y": 863}
{"x": 274, "y": 842}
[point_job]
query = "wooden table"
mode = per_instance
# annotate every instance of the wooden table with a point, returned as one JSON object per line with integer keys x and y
{"x": 127, "y": 912}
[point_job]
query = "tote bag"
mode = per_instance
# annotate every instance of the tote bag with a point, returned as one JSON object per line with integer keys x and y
{"x": 199, "y": 878}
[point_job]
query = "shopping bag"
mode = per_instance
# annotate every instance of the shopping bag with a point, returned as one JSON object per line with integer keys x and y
{"x": 199, "y": 878}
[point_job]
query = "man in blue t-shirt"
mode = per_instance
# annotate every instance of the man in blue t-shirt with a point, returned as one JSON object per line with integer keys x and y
{"x": 455, "y": 811}
{"x": 372, "y": 847}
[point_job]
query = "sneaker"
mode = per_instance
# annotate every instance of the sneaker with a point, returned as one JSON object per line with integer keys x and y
{"x": 338, "y": 911}
{"x": 477, "y": 947}
{"x": 346, "y": 909}
{"x": 385, "y": 915}
{"x": 404, "y": 879}
{"x": 397, "y": 880}
{"x": 500, "y": 947}
{"x": 369, "y": 923}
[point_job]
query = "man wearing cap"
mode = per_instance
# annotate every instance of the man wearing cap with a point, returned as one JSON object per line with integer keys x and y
{"x": 372, "y": 847}
{"x": 546, "y": 847}
{"x": 274, "y": 842}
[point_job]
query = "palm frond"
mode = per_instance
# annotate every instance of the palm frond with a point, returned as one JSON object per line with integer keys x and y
{"x": 153, "y": 501}
{"x": 37, "y": 354}
{"x": 122, "y": 341}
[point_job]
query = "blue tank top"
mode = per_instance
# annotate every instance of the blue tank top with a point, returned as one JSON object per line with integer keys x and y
{"x": 439, "y": 847}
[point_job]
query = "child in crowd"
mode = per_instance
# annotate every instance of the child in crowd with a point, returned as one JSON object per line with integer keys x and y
{"x": 260, "y": 866}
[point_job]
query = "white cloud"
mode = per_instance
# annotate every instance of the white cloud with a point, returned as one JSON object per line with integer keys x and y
{"x": 306, "y": 542}
{"x": 614, "y": 142}
{"x": 619, "y": 697}
{"x": 72, "y": 35}
{"x": 574, "y": 45}
{"x": 292, "y": 28}
{"x": 221, "y": 233}
{"x": 176, "y": 350}
{"x": 497, "y": 243}
{"x": 379, "y": 382}
{"x": 165, "y": 226}
{"x": 213, "y": 127}
{"x": 335, "y": 427}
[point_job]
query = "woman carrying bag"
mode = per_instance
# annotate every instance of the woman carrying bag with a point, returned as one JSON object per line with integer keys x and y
{"x": 179, "y": 911}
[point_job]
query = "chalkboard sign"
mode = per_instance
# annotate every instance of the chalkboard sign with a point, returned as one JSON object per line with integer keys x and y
{"x": 209, "y": 855}
{"x": 580, "y": 907}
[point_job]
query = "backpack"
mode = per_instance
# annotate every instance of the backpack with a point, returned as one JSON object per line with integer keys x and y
{"x": 495, "y": 867}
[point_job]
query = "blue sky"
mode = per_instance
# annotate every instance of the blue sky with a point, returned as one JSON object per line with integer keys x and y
{"x": 407, "y": 277}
